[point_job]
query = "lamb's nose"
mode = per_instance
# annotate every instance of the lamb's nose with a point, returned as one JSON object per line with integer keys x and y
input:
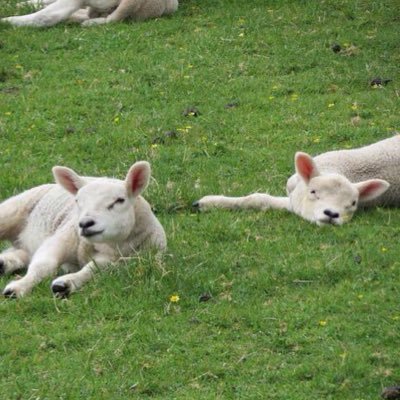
{"x": 86, "y": 223}
{"x": 331, "y": 214}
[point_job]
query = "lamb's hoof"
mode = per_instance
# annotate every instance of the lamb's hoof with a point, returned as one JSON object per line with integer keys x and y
{"x": 61, "y": 290}
{"x": 196, "y": 206}
{"x": 10, "y": 294}
{"x": 1, "y": 267}
{"x": 391, "y": 393}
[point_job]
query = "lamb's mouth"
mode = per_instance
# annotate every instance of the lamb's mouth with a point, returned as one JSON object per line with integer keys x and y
{"x": 88, "y": 233}
{"x": 328, "y": 221}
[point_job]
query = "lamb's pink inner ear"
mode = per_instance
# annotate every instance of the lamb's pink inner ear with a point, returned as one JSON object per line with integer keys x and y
{"x": 371, "y": 189}
{"x": 305, "y": 166}
{"x": 65, "y": 178}
{"x": 138, "y": 178}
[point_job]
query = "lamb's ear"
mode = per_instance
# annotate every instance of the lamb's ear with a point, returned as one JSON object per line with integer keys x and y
{"x": 138, "y": 178}
{"x": 371, "y": 188}
{"x": 68, "y": 179}
{"x": 305, "y": 166}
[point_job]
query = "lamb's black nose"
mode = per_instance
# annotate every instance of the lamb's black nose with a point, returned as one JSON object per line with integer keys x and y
{"x": 86, "y": 223}
{"x": 331, "y": 214}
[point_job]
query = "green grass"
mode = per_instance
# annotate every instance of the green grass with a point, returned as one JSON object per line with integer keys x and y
{"x": 297, "y": 312}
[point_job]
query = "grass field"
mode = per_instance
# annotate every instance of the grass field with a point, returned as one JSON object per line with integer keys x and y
{"x": 294, "y": 311}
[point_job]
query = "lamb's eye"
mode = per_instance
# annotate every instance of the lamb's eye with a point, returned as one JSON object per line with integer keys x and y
{"x": 313, "y": 191}
{"x": 353, "y": 203}
{"x": 120, "y": 200}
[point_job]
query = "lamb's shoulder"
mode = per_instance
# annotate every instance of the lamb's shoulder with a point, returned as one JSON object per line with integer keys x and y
{"x": 148, "y": 231}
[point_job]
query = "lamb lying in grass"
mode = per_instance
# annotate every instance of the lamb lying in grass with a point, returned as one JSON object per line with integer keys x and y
{"x": 98, "y": 12}
{"x": 328, "y": 189}
{"x": 80, "y": 222}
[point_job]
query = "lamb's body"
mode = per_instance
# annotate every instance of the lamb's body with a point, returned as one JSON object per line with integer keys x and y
{"x": 48, "y": 230}
{"x": 329, "y": 187}
{"x": 91, "y": 12}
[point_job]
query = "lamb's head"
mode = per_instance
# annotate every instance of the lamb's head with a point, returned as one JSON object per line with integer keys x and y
{"x": 329, "y": 198}
{"x": 106, "y": 206}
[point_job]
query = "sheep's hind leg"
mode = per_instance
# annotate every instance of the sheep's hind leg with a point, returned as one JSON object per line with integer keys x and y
{"x": 45, "y": 262}
{"x": 12, "y": 260}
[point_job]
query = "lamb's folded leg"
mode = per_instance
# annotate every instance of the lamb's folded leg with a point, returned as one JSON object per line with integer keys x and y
{"x": 136, "y": 9}
{"x": 12, "y": 260}
{"x": 256, "y": 201}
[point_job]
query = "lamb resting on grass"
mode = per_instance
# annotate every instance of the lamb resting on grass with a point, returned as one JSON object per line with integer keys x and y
{"x": 327, "y": 189}
{"x": 92, "y": 12}
{"x": 81, "y": 222}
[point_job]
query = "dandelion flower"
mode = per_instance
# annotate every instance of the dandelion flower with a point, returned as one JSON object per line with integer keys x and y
{"x": 174, "y": 298}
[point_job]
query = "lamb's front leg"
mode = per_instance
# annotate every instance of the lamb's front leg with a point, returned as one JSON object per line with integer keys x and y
{"x": 256, "y": 201}
{"x": 50, "y": 255}
{"x": 51, "y": 15}
{"x": 64, "y": 285}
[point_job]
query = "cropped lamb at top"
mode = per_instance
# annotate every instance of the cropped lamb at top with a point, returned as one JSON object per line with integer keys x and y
{"x": 81, "y": 223}
{"x": 92, "y": 12}
{"x": 327, "y": 189}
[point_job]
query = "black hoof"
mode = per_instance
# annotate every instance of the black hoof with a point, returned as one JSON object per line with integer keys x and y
{"x": 1, "y": 267}
{"x": 60, "y": 290}
{"x": 10, "y": 294}
{"x": 391, "y": 393}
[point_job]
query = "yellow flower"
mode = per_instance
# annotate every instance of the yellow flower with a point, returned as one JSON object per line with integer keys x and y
{"x": 174, "y": 298}
{"x": 384, "y": 249}
{"x": 322, "y": 322}
{"x": 184, "y": 129}
{"x": 354, "y": 106}
{"x": 154, "y": 145}
{"x": 271, "y": 97}
{"x": 330, "y": 105}
{"x": 241, "y": 34}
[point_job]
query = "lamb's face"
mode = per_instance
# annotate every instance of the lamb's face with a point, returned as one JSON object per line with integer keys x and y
{"x": 106, "y": 212}
{"x": 106, "y": 206}
{"x": 326, "y": 199}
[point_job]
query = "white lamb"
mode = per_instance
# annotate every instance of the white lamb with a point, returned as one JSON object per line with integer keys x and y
{"x": 97, "y": 12}
{"x": 80, "y": 222}
{"x": 328, "y": 189}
